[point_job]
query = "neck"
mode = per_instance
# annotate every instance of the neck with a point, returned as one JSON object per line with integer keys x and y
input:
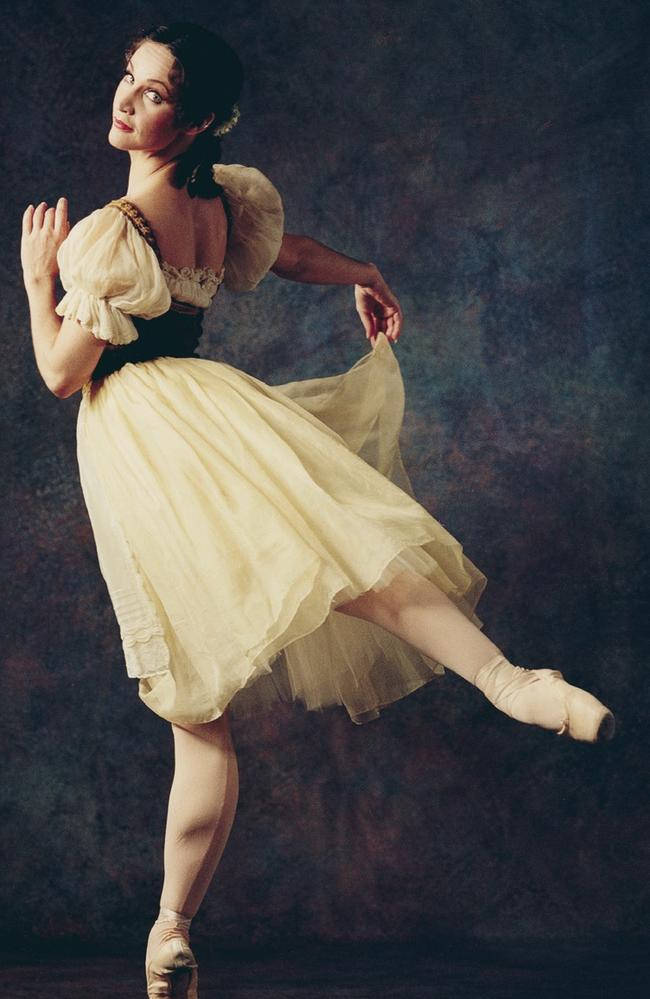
{"x": 147, "y": 171}
{"x": 151, "y": 169}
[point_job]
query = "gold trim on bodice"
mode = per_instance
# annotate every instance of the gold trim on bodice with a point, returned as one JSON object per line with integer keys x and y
{"x": 135, "y": 216}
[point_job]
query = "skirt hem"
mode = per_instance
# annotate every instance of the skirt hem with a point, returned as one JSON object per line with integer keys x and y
{"x": 279, "y": 646}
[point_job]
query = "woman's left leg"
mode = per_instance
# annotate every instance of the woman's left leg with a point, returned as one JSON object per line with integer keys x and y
{"x": 416, "y": 610}
{"x": 202, "y": 804}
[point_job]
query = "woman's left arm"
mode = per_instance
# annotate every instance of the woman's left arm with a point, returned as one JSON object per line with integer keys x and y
{"x": 302, "y": 258}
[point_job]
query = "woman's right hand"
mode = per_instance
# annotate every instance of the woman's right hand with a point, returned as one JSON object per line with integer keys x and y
{"x": 379, "y": 310}
{"x": 44, "y": 229}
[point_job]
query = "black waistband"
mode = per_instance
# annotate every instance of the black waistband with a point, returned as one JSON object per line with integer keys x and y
{"x": 174, "y": 334}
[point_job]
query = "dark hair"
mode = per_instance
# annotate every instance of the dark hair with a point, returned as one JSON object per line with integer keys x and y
{"x": 208, "y": 76}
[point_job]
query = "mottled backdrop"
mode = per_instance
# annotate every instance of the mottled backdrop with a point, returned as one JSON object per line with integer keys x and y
{"x": 492, "y": 157}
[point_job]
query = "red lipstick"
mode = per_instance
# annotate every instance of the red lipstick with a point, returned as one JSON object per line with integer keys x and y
{"x": 120, "y": 124}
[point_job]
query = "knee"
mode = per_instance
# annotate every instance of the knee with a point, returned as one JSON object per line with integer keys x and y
{"x": 380, "y": 607}
{"x": 217, "y": 732}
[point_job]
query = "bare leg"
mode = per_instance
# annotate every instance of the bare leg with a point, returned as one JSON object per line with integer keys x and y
{"x": 416, "y": 610}
{"x": 202, "y": 803}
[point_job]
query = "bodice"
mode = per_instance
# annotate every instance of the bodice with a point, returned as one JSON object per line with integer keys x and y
{"x": 177, "y": 332}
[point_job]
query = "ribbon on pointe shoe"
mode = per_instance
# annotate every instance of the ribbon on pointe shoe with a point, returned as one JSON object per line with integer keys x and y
{"x": 170, "y": 966}
{"x": 552, "y": 704}
{"x": 171, "y": 916}
{"x": 501, "y": 682}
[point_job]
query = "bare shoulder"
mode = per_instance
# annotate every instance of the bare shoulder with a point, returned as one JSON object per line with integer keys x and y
{"x": 191, "y": 232}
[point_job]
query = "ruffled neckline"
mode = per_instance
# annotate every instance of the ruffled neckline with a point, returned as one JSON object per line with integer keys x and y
{"x": 196, "y": 285}
{"x": 201, "y": 275}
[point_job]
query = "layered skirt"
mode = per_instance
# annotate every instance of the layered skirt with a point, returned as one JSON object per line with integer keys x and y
{"x": 231, "y": 517}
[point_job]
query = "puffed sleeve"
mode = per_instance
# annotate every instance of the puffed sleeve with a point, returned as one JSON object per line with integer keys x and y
{"x": 109, "y": 272}
{"x": 257, "y": 224}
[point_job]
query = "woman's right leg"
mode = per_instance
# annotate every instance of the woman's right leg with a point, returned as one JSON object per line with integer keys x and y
{"x": 416, "y": 610}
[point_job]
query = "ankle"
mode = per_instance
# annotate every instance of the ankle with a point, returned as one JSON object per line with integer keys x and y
{"x": 167, "y": 915}
{"x": 169, "y": 925}
{"x": 485, "y": 678}
{"x": 519, "y": 692}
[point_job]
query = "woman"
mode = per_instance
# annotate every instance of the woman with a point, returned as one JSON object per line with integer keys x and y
{"x": 258, "y": 543}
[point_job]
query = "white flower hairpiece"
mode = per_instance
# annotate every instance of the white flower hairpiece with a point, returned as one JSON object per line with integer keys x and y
{"x": 226, "y": 126}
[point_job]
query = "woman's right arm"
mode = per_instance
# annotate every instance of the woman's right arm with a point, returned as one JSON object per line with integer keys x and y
{"x": 65, "y": 352}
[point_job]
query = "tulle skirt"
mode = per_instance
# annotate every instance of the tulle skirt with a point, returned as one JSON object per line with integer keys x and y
{"x": 231, "y": 517}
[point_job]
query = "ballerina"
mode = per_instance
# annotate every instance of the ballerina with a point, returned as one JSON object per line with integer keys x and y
{"x": 259, "y": 543}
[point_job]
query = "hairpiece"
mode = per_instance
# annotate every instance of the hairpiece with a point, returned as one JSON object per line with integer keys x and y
{"x": 226, "y": 126}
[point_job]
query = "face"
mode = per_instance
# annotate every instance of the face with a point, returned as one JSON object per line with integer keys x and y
{"x": 144, "y": 100}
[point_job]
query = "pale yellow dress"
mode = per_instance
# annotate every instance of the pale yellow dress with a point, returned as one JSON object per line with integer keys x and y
{"x": 231, "y": 516}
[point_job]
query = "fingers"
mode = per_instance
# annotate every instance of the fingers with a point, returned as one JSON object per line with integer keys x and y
{"x": 49, "y": 218}
{"x": 391, "y": 325}
{"x": 61, "y": 217}
{"x": 28, "y": 215}
{"x": 366, "y": 319}
{"x": 388, "y": 312}
{"x": 379, "y": 313}
{"x": 39, "y": 215}
{"x": 374, "y": 327}
{"x": 394, "y": 326}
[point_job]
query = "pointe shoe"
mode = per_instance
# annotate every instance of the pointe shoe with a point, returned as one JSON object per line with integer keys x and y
{"x": 583, "y": 716}
{"x": 171, "y": 969}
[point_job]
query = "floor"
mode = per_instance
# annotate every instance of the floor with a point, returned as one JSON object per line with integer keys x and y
{"x": 465, "y": 970}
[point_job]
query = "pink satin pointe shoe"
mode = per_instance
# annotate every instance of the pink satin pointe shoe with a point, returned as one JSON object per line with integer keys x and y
{"x": 543, "y": 697}
{"x": 170, "y": 966}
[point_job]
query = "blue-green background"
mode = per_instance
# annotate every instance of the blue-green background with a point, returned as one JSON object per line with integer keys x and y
{"x": 492, "y": 158}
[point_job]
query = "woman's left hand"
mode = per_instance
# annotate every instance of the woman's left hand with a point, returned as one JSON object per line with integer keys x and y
{"x": 44, "y": 229}
{"x": 379, "y": 310}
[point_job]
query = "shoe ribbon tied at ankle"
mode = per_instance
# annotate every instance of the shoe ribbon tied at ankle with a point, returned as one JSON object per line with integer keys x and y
{"x": 500, "y": 692}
